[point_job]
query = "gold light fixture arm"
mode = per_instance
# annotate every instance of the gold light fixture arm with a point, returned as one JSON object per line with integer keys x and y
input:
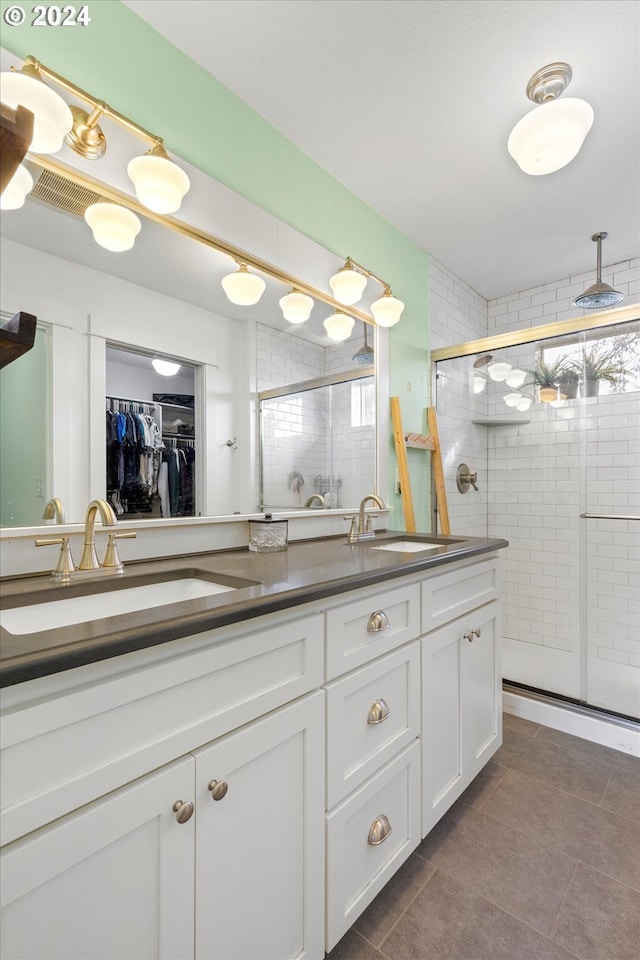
{"x": 350, "y": 263}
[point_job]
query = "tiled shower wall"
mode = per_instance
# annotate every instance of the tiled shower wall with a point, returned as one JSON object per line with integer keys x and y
{"x": 535, "y": 478}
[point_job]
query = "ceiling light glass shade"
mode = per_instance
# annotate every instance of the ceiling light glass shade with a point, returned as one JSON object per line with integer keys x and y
{"x": 479, "y": 383}
{"x": 559, "y": 401}
{"x": 52, "y": 117}
{"x": 516, "y": 378}
{"x": 165, "y": 367}
{"x": 512, "y": 399}
{"x": 523, "y": 404}
{"x": 347, "y": 285}
{"x": 499, "y": 370}
{"x": 160, "y": 184}
{"x": 15, "y": 192}
{"x": 115, "y": 228}
{"x": 339, "y": 326}
{"x": 599, "y": 295}
{"x": 549, "y": 136}
{"x": 243, "y": 288}
{"x": 387, "y": 309}
{"x": 296, "y": 306}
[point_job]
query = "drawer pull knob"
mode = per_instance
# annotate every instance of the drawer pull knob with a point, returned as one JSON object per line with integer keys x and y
{"x": 379, "y": 830}
{"x": 183, "y": 810}
{"x": 472, "y": 633}
{"x": 378, "y": 711}
{"x": 218, "y": 789}
{"x": 378, "y": 621}
{"x": 477, "y": 632}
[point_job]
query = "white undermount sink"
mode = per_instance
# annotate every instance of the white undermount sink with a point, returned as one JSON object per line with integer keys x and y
{"x": 48, "y": 615}
{"x": 407, "y": 546}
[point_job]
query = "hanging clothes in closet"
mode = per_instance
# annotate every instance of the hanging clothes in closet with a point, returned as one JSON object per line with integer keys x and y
{"x": 176, "y": 478}
{"x": 134, "y": 453}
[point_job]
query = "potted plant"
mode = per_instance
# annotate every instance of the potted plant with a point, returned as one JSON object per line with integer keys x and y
{"x": 547, "y": 377}
{"x": 597, "y": 365}
{"x": 568, "y": 383}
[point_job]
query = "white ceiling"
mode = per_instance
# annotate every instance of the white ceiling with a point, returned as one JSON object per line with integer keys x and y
{"x": 409, "y": 103}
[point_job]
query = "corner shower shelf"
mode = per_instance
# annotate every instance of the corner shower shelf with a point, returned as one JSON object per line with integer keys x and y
{"x": 498, "y": 423}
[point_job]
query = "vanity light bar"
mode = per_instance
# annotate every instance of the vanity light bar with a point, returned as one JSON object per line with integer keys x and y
{"x": 46, "y": 162}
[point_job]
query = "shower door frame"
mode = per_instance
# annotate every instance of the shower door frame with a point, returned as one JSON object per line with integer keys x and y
{"x": 584, "y": 324}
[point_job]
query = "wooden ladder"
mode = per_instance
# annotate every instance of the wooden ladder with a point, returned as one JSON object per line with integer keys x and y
{"x": 419, "y": 441}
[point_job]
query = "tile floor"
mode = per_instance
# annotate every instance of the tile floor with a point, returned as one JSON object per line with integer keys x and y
{"x": 538, "y": 860}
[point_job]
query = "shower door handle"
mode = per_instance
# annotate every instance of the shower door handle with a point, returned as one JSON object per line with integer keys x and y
{"x": 607, "y": 516}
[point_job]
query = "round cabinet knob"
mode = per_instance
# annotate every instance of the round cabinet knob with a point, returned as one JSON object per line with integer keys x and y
{"x": 379, "y": 830}
{"x": 183, "y": 810}
{"x": 378, "y": 711}
{"x": 218, "y": 789}
{"x": 378, "y": 621}
{"x": 469, "y": 636}
{"x": 477, "y": 632}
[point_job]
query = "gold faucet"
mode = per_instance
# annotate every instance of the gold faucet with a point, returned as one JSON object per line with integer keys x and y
{"x": 361, "y": 530}
{"x": 89, "y": 559}
{"x": 312, "y": 498}
{"x": 54, "y": 510}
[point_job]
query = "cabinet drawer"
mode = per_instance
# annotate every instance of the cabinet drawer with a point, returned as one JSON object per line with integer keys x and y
{"x": 371, "y": 714}
{"x": 364, "y": 629}
{"x": 453, "y": 594}
{"x": 357, "y": 869}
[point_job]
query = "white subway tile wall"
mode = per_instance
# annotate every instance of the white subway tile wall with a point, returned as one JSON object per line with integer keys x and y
{"x": 536, "y": 477}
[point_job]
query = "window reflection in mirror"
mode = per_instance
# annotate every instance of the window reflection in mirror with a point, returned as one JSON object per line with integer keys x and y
{"x": 25, "y": 431}
{"x": 151, "y": 443}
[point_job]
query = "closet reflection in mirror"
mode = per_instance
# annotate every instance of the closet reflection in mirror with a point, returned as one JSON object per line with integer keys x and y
{"x": 150, "y": 436}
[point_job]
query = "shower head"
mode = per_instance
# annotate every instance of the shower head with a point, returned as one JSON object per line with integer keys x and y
{"x": 482, "y": 360}
{"x": 365, "y": 353}
{"x": 600, "y": 294}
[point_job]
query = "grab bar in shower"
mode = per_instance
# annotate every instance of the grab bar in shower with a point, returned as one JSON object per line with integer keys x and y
{"x": 606, "y": 516}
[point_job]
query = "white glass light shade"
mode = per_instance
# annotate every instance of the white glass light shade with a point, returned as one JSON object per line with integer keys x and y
{"x": 499, "y": 370}
{"x": 52, "y": 117}
{"x": 523, "y": 404}
{"x": 512, "y": 399}
{"x": 115, "y": 228}
{"x": 15, "y": 192}
{"x": 165, "y": 367}
{"x": 479, "y": 383}
{"x": 559, "y": 401}
{"x": 160, "y": 184}
{"x": 296, "y": 306}
{"x": 387, "y": 309}
{"x": 516, "y": 378}
{"x": 242, "y": 287}
{"x": 347, "y": 285}
{"x": 339, "y": 326}
{"x": 549, "y": 136}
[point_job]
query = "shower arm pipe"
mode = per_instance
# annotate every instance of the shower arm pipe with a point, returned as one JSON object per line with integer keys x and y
{"x": 47, "y": 162}
{"x": 547, "y": 331}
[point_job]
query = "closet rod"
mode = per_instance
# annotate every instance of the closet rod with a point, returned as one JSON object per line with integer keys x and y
{"x": 149, "y": 403}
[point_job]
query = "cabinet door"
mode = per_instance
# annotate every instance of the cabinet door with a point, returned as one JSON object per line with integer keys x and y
{"x": 482, "y": 688}
{"x": 114, "y": 879}
{"x": 259, "y": 847}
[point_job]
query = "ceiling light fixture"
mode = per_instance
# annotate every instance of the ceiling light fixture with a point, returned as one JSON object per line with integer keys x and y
{"x": 296, "y": 306}
{"x": 165, "y": 367}
{"x": 515, "y": 378}
{"x": 600, "y": 294}
{"x": 339, "y": 326}
{"x": 160, "y": 183}
{"x": 348, "y": 286}
{"x": 550, "y": 136}
{"x": 243, "y": 288}
{"x": 15, "y": 192}
{"x": 499, "y": 370}
{"x": 512, "y": 399}
{"x": 52, "y": 117}
{"x": 115, "y": 228}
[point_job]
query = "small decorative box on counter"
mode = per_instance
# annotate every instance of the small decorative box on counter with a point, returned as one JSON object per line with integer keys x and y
{"x": 268, "y": 535}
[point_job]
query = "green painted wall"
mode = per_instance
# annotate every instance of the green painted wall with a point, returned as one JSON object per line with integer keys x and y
{"x": 121, "y": 60}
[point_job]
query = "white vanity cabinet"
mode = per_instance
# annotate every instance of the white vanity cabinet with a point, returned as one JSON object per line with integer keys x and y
{"x": 461, "y": 683}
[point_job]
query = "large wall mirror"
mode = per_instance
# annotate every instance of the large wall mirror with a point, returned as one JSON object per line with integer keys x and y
{"x": 103, "y": 318}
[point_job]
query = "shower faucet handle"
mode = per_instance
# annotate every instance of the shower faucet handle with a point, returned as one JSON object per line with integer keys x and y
{"x": 466, "y": 479}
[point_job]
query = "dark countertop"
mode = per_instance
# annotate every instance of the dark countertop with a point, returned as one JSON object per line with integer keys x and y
{"x": 266, "y": 582}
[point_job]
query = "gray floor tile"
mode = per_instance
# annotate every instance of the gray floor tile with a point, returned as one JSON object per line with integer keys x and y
{"x": 600, "y": 919}
{"x": 597, "y": 751}
{"x": 449, "y": 921}
{"x": 353, "y": 947}
{"x": 622, "y": 794}
{"x": 513, "y": 722}
{"x": 484, "y": 784}
{"x": 379, "y": 917}
{"x": 588, "y": 833}
{"x": 523, "y": 875}
{"x": 557, "y": 765}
